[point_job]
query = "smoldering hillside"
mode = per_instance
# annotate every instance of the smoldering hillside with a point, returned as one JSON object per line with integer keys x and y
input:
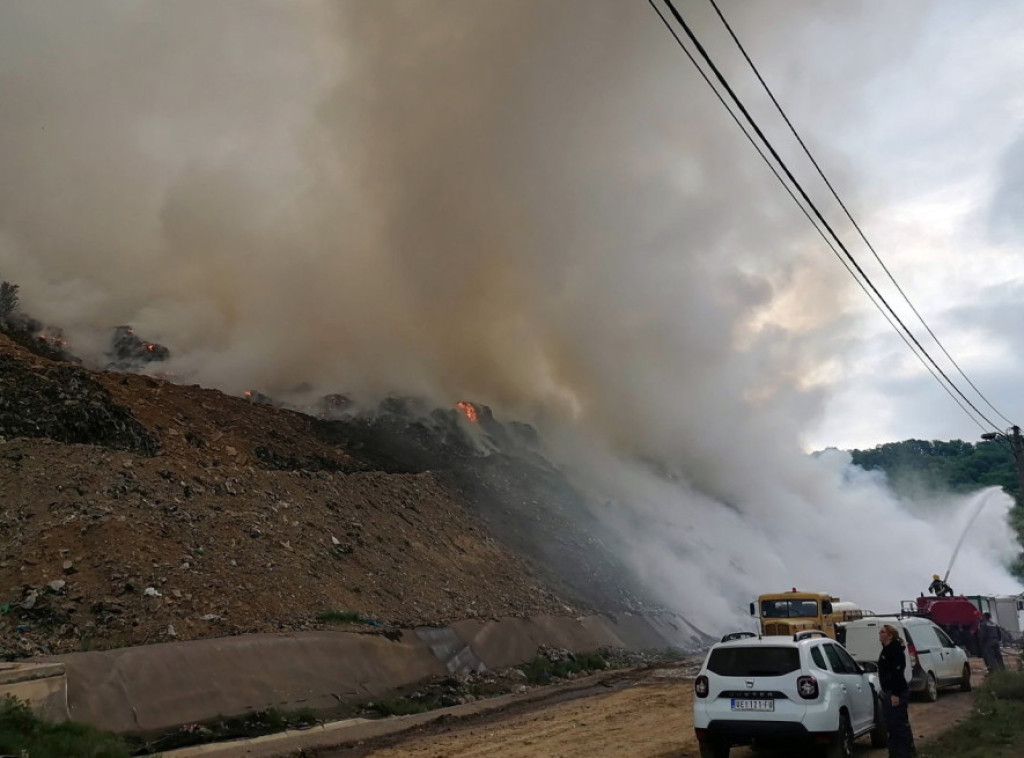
{"x": 136, "y": 510}
{"x": 523, "y": 204}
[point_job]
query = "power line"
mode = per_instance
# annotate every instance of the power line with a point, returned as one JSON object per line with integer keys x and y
{"x": 789, "y": 174}
{"x": 849, "y": 215}
{"x": 810, "y": 218}
{"x": 735, "y": 118}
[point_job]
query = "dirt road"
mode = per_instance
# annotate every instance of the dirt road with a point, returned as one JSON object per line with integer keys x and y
{"x": 648, "y": 717}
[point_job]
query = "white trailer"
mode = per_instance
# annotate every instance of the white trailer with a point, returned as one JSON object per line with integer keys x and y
{"x": 1007, "y": 611}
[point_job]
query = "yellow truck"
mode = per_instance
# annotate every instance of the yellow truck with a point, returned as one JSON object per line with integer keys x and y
{"x": 786, "y": 613}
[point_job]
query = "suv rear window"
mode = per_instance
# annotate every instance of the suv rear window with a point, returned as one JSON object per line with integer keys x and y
{"x": 754, "y": 661}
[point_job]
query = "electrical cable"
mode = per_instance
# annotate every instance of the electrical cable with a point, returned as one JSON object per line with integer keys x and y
{"x": 846, "y": 210}
{"x": 807, "y": 214}
{"x": 789, "y": 174}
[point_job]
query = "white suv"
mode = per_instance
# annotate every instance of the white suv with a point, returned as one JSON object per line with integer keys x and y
{"x": 806, "y": 688}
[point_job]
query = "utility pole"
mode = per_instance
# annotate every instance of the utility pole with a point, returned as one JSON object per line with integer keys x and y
{"x": 1017, "y": 447}
{"x": 1018, "y": 457}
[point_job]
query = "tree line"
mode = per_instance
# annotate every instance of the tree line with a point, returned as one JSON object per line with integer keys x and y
{"x": 916, "y": 466}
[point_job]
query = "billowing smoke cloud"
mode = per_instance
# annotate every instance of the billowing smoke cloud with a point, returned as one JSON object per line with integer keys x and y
{"x": 818, "y": 524}
{"x": 531, "y": 204}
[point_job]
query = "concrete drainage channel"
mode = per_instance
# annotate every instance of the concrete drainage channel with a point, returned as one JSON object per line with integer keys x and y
{"x": 160, "y": 687}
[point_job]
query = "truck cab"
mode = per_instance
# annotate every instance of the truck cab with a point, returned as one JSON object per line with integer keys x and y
{"x": 786, "y": 613}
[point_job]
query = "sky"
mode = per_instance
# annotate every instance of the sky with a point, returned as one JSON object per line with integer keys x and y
{"x": 538, "y": 205}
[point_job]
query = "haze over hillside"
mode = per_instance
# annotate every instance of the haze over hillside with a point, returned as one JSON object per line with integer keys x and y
{"x": 377, "y": 199}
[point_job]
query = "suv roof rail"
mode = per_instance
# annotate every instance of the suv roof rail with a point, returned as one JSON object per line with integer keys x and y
{"x": 737, "y": 636}
{"x": 806, "y": 633}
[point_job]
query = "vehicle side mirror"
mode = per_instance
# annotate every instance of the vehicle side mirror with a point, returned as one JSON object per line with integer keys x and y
{"x": 826, "y": 607}
{"x": 752, "y": 611}
{"x": 869, "y": 667}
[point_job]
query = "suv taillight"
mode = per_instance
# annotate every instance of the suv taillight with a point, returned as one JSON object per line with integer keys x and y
{"x": 807, "y": 687}
{"x": 913, "y": 656}
{"x": 701, "y": 686}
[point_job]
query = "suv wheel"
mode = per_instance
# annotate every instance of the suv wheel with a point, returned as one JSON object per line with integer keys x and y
{"x": 965, "y": 679}
{"x": 714, "y": 750}
{"x": 879, "y": 732}
{"x": 931, "y": 688}
{"x": 842, "y": 742}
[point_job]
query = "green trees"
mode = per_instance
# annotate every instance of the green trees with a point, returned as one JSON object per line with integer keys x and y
{"x": 8, "y": 299}
{"x": 957, "y": 466}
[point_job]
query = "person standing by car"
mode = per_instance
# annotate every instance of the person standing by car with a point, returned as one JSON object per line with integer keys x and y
{"x": 892, "y": 667}
{"x": 990, "y": 640}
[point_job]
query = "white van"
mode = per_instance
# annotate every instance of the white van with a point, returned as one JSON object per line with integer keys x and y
{"x": 933, "y": 660}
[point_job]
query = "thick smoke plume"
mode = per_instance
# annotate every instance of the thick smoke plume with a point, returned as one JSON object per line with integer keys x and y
{"x": 531, "y": 204}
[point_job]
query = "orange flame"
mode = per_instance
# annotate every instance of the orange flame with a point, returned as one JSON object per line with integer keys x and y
{"x": 52, "y": 339}
{"x": 468, "y": 410}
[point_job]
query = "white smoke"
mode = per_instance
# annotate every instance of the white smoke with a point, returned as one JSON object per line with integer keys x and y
{"x": 526, "y": 203}
{"x": 821, "y": 525}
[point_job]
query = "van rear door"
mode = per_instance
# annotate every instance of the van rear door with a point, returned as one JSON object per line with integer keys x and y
{"x": 861, "y": 640}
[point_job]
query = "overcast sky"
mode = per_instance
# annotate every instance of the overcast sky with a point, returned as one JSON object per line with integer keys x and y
{"x": 915, "y": 111}
{"x": 937, "y": 159}
{"x": 537, "y": 204}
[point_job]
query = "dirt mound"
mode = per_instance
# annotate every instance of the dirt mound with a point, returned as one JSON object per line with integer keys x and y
{"x": 117, "y": 550}
{"x": 135, "y": 510}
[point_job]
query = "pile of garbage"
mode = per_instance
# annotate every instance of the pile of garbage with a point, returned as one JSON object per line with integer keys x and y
{"x": 64, "y": 403}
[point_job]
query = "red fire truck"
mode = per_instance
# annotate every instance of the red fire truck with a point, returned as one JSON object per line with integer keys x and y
{"x": 957, "y": 616}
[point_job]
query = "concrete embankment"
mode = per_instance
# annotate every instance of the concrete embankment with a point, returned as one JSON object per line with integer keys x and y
{"x": 162, "y": 686}
{"x": 43, "y": 685}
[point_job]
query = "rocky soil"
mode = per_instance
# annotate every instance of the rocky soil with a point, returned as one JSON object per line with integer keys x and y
{"x": 135, "y": 510}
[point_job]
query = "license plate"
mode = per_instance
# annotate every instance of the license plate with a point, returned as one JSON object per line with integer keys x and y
{"x": 753, "y": 705}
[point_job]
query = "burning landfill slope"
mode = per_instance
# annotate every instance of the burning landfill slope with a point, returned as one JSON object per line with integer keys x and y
{"x": 126, "y": 351}
{"x": 550, "y": 234}
{"x": 137, "y": 510}
{"x": 501, "y": 472}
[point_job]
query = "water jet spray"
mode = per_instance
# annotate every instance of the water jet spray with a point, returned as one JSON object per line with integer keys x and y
{"x": 970, "y": 522}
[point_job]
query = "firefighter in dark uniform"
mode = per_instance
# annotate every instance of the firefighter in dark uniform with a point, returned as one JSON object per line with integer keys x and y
{"x": 939, "y": 588}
